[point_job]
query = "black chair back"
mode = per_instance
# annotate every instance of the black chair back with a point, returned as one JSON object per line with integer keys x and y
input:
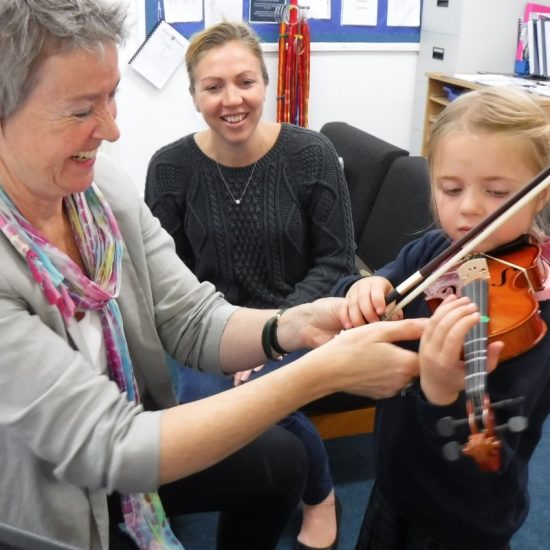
{"x": 367, "y": 159}
{"x": 400, "y": 214}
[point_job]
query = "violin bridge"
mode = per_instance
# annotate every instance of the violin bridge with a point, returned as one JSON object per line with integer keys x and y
{"x": 474, "y": 270}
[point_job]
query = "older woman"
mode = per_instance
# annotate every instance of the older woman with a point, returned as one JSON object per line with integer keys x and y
{"x": 92, "y": 293}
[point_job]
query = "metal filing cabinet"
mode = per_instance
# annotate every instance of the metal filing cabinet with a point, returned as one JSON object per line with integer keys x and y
{"x": 463, "y": 36}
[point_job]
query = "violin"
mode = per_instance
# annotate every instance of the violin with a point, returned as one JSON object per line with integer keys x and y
{"x": 503, "y": 288}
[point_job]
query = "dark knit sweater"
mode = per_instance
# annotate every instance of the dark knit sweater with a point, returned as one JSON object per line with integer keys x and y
{"x": 288, "y": 242}
{"x": 453, "y": 501}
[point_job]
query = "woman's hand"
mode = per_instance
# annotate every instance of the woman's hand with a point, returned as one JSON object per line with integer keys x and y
{"x": 313, "y": 324}
{"x": 441, "y": 345}
{"x": 366, "y": 300}
{"x": 365, "y": 361}
{"x": 242, "y": 376}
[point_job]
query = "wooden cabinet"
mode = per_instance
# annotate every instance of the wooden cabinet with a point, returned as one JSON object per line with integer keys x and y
{"x": 437, "y": 99}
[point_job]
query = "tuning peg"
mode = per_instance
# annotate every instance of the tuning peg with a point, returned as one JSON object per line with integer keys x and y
{"x": 515, "y": 424}
{"x": 452, "y": 451}
{"x": 446, "y": 426}
{"x": 508, "y": 402}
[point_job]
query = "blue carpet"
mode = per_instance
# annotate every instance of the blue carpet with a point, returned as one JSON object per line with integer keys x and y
{"x": 535, "y": 532}
{"x": 350, "y": 459}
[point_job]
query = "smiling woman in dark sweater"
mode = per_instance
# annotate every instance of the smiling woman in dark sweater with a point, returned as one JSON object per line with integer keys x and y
{"x": 261, "y": 210}
{"x": 287, "y": 242}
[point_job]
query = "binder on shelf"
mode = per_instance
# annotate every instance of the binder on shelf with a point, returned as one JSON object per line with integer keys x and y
{"x": 546, "y": 30}
{"x": 521, "y": 63}
{"x": 160, "y": 54}
{"x": 532, "y": 46}
{"x": 525, "y": 55}
{"x": 541, "y": 50}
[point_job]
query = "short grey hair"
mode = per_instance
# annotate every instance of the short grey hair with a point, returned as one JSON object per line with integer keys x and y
{"x": 31, "y": 30}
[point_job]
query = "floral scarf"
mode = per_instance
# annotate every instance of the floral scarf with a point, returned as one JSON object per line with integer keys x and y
{"x": 70, "y": 290}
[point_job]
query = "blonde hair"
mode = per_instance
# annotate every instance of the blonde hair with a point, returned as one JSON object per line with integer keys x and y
{"x": 496, "y": 110}
{"x": 217, "y": 36}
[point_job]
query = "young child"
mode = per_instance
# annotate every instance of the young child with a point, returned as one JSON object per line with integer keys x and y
{"x": 484, "y": 147}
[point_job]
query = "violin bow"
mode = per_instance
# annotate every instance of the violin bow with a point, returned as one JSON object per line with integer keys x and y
{"x": 411, "y": 287}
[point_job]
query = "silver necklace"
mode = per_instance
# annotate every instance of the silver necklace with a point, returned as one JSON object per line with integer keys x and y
{"x": 237, "y": 201}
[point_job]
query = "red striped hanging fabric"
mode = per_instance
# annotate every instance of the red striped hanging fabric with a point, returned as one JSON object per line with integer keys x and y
{"x": 294, "y": 66}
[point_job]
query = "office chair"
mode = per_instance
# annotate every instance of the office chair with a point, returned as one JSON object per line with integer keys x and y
{"x": 400, "y": 214}
{"x": 367, "y": 160}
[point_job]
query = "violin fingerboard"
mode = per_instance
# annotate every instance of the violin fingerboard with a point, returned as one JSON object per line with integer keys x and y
{"x": 476, "y": 341}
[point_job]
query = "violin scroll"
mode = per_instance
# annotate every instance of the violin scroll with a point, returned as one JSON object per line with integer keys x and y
{"x": 483, "y": 444}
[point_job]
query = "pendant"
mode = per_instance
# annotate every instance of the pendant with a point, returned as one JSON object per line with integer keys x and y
{"x": 237, "y": 201}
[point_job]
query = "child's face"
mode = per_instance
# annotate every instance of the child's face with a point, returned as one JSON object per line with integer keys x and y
{"x": 473, "y": 174}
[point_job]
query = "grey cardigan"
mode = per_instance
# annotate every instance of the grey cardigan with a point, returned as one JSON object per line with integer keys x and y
{"x": 67, "y": 435}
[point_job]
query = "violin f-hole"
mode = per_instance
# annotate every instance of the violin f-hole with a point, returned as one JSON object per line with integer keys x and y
{"x": 504, "y": 276}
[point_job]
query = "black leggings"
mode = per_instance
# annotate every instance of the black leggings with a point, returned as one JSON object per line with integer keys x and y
{"x": 384, "y": 529}
{"x": 256, "y": 491}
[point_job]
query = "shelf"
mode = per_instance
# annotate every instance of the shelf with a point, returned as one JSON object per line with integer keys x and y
{"x": 437, "y": 99}
{"x": 441, "y": 99}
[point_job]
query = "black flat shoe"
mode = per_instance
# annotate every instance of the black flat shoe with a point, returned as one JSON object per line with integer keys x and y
{"x": 334, "y": 545}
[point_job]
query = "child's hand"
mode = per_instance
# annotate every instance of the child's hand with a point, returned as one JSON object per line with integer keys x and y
{"x": 441, "y": 368}
{"x": 366, "y": 300}
{"x": 242, "y": 376}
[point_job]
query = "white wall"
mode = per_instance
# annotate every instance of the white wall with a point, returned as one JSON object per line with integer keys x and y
{"x": 373, "y": 90}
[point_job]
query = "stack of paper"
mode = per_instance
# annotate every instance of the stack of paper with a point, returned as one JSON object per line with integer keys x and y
{"x": 160, "y": 54}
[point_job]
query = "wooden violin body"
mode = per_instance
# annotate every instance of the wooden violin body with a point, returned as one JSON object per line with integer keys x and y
{"x": 514, "y": 315}
{"x": 513, "y": 311}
